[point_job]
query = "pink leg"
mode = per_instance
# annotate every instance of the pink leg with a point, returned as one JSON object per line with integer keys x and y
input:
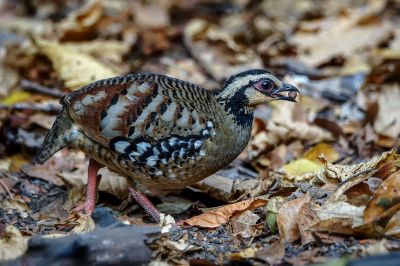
{"x": 91, "y": 191}
{"x": 146, "y": 204}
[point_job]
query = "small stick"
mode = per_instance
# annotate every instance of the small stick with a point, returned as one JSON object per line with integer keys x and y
{"x": 6, "y": 189}
{"x": 42, "y": 107}
{"x": 35, "y": 87}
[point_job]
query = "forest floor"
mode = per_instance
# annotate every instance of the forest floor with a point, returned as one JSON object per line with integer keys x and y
{"x": 318, "y": 181}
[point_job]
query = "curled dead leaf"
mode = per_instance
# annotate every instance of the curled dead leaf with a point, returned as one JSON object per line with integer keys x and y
{"x": 283, "y": 127}
{"x": 386, "y": 197}
{"x": 340, "y": 36}
{"x": 81, "y": 23}
{"x": 222, "y": 215}
{"x": 287, "y": 218}
{"x": 217, "y": 51}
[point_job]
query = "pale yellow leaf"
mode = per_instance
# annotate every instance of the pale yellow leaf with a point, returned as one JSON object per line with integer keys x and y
{"x": 75, "y": 68}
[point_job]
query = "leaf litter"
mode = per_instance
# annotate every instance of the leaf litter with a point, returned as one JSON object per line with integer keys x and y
{"x": 318, "y": 180}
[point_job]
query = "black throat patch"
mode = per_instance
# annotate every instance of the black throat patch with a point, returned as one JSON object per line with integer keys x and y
{"x": 236, "y": 105}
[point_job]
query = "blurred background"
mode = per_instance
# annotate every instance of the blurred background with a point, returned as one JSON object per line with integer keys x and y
{"x": 343, "y": 55}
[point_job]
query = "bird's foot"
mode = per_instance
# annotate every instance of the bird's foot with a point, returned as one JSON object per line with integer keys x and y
{"x": 143, "y": 201}
{"x": 88, "y": 207}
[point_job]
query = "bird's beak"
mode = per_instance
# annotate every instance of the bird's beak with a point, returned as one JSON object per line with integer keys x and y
{"x": 291, "y": 93}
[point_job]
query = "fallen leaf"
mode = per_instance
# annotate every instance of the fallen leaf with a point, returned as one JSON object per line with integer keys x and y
{"x": 387, "y": 121}
{"x": 306, "y": 218}
{"x": 81, "y": 24}
{"x": 176, "y": 206}
{"x": 284, "y": 126}
{"x": 217, "y": 51}
{"x": 245, "y": 224}
{"x": 85, "y": 224}
{"x": 110, "y": 50}
{"x": 16, "y": 96}
{"x": 341, "y": 210}
{"x": 75, "y": 68}
{"x": 217, "y": 186}
{"x": 222, "y": 215}
{"x": 341, "y": 36}
{"x": 338, "y": 173}
{"x": 321, "y": 149}
{"x": 287, "y": 218}
{"x": 393, "y": 226}
{"x": 387, "y": 196}
{"x": 15, "y": 204}
{"x": 272, "y": 254}
{"x": 150, "y": 16}
{"x": 246, "y": 253}
{"x": 12, "y": 244}
{"x": 301, "y": 167}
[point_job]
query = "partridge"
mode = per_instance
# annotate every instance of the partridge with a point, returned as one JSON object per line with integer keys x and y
{"x": 160, "y": 132}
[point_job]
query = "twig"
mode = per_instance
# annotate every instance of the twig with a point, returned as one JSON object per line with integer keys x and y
{"x": 42, "y": 107}
{"x": 6, "y": 189}
{"x": 35, "y": 87}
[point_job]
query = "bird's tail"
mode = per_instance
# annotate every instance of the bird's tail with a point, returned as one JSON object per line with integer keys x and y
{"x": 57, "y": 137}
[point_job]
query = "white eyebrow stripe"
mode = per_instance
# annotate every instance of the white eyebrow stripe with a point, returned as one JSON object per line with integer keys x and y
{"x": 243, "y": 81}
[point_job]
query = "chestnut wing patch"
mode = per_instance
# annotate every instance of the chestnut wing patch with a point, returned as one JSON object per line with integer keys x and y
{"x": 108, "y": 111}
{"x": 132, "y": 106}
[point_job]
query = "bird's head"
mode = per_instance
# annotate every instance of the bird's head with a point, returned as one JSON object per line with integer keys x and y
{"x": 255, "y": 87}
{"x": 243, "y": 92}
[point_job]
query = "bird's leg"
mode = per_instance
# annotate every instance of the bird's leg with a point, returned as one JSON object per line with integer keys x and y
{"x": 91, "y": 190}
{"x": 143, "y": 201}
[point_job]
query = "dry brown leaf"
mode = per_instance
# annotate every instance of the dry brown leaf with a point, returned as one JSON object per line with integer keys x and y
{"x": 217, "y": 51}
{"x": 222, "y": 215}
{"x": 387, "y": 121}
{"x": 306, "y": 218}
{"x": 341, "y": 36}
{"x": 12, "y": 243}
{"x": 150, "y": 16}
{"x": 284, "y": 126}
{"x": 81, "y": 24}
{"x": 246, "y": 253}
{"x": 272, "y": 254}
{"x": 393, "y": 226}
{"x": 111, "y": 50}
{"x": 336, "y": 225}
{"x": 8, "y": 79}
{"x": 64, "y": 161}
{"x": 322, "y": 149}
{"x": 26, "y": 25}
{"x": 287, "y": 218}
{"x": 217, "y": 186}
{"x": 245, "y": 224}
{"x": 85, "y": 224}
{"x": 339, "y": 173}
{"x": 110, "y": 182}
{"x": 382, "y": 246}
{"x": 75, "y": 68}
{"x": 386, "y": 197}
{"x": 187, "y": 69}
{"x": 17, "y": 204}
{"x": 341, "y": 210}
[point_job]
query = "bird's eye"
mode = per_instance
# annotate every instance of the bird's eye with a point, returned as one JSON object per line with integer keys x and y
{"x": 267, "y": 85}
